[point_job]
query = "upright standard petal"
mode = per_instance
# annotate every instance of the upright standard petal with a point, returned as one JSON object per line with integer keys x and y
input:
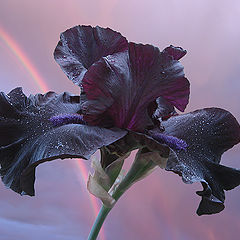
{"x": 79, "y": 47}
{"x": 29, "y": 135}
{"x": 208, "y": 133}
{"x": 120, "y": 87}
{"x": 176, "y": 52}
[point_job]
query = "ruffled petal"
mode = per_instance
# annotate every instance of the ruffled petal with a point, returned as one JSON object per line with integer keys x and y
{"x": 208, "y": 133}
{"x": 79, "y": 47}
{"x": 28, "y": 137}
{"x": 120, "y": 87}
{"x": 176, "y": 52}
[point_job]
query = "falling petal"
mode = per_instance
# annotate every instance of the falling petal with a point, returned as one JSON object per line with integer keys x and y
{"x": 208, "y": 133}
{"x": 28, "y": 137}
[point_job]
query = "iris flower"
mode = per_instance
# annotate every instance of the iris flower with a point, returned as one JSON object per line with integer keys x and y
{"x": 130, "y": 94}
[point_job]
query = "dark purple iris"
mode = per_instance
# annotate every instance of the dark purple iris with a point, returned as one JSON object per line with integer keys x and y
{"x": 129, "y": 93}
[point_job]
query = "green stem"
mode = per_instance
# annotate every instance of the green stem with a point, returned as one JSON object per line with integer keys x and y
{"x": 137, "y": 170}
{"x": 123, "y": 186}
{"x": 98, "y": 222}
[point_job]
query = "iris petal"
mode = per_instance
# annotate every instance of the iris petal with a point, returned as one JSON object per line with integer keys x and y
{"x": 176, "y": 52}
{"x": 120, "y": 87}
{"x": 208, "y": 133}
{"x": 79, "y": 47}
{"x": 28, "y": 137}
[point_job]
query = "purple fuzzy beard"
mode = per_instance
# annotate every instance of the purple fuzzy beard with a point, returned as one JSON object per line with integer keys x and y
{"x": 64, "y": 119}
{"x": 173, "y": 142}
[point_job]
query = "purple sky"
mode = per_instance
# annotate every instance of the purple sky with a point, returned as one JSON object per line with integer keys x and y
{"x": 161, "y": 206}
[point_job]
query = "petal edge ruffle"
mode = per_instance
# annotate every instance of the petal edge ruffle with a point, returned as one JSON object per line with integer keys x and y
{"x": 208, "y": 133}
{"x": 28, "y": 137}
{"x": 79, "y": 47}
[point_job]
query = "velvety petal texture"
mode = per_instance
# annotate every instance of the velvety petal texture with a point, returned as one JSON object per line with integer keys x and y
{"x": 208, "y": 133}
{"x": 120, "y": 87}
{"x": 29, "y": 136}
{"x": 79, "y": 47}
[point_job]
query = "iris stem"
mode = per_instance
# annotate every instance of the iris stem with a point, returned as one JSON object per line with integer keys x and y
{"x": 98, "y": 222}
{"x": 139, "y": 168}
{"x": 123, "y": 186}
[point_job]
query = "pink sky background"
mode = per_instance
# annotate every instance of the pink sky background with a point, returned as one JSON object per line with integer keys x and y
{"x": 161, "y": 207}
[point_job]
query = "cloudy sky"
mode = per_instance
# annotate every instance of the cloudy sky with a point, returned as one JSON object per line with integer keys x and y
{"x": 161, "y": 206}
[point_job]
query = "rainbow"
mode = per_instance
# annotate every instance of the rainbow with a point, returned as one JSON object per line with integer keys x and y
{"x": 24, "y": 60}
{"x": 16, "y": 50}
